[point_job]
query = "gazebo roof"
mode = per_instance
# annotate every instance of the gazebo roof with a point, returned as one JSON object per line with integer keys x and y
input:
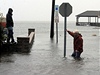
{"x": 89, "y": 14}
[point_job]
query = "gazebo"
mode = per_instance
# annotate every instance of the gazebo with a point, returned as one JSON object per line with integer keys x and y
{"x": 89, "y": 15}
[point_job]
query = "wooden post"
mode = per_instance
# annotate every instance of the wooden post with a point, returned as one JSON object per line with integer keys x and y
{"x": 52, "y": 20}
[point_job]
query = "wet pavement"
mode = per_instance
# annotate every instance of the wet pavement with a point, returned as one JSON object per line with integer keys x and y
{"x": 46, "y": 57}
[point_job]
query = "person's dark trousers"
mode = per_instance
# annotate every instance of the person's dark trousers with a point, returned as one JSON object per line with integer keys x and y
{"x": 76, "y": 54}
{"x": 10, "y": 36}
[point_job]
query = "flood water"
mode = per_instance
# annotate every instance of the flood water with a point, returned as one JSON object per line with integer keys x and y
{"x": 47, "y": 56}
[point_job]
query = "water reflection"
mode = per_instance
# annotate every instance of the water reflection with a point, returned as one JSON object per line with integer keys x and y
{"x": 7, "y": 58}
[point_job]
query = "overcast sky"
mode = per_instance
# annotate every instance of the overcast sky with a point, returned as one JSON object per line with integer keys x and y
{"x": 40, "y": 10}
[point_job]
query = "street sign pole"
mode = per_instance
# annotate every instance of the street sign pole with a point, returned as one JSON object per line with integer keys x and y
{"x": 56, "y": 32}
{"x": 65, "y": 19}
{"x": 56, "y": 20}
{"x": 65, "y": 10}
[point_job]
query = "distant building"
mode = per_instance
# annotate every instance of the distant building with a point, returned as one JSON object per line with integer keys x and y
{"x": 89, "y": 15}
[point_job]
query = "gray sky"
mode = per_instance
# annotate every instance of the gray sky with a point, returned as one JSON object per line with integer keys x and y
{"x": 40, "y": 10}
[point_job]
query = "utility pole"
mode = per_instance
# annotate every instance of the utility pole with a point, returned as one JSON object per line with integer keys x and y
{"x": 52, "y": 20}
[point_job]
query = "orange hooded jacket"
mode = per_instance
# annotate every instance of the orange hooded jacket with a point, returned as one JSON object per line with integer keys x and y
{"x": 77, "y": 42}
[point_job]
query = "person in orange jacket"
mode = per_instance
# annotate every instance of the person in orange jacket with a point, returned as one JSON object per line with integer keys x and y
{"x": 77, "y": 43}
